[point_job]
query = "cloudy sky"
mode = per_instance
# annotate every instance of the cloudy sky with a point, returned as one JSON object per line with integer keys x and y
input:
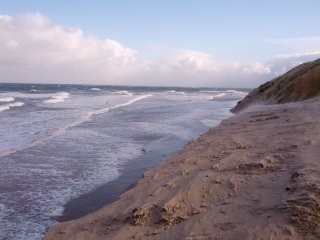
{"x": 230, "y": 43}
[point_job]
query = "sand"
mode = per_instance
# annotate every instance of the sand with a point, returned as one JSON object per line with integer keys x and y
{"x": 255, "y": 176}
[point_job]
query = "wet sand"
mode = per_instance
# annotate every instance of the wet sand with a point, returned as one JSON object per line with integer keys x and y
{"x": 255, "y": 176}
{"x": 94, "y": 200}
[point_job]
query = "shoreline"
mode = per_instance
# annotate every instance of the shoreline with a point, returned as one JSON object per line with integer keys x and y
{"x": 256, "y": 175}
{"x": 130, "y": 175}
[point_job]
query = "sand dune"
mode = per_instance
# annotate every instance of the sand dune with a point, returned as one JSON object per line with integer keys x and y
{"x": 255, "y": 176}
{"x": 300, "y": 83}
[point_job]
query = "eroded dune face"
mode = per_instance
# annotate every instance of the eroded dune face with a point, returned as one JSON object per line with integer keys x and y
{"x": 298, "y": 84}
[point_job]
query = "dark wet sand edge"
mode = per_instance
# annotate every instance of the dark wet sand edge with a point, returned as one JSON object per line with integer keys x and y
{"x": 156, "y": 152}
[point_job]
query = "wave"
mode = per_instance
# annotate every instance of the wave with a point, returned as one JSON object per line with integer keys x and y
{"x": 175, "y": 92}
{"x": 219, "y": 91}
{"x": 6, "y": 99}
{"x": 84, "y": 118}
{"x": 10, "y": 105}
{"x": 58, "y": 97}
{"x": 104, "y": 110}
{"x": 132, "y": 101}
{"x": 28, "y": 95}
{"x": 237, "y": 92}
{"x": 219, "y": 95}
{"x": 227, "y": 94}
{"x": 123, "y": 93}
{"x": 95, "y": 89}
{"x": 209, "y": 91}
{"x": 24, "y": 95}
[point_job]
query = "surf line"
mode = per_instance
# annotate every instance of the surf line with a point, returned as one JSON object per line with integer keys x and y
{"x": 58, "y": 131}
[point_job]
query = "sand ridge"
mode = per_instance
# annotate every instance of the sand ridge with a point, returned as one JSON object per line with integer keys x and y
{"x": 255, "y": 176}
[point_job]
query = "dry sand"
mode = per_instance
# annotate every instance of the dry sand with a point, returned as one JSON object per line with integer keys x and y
{"x": 255, "y": 176}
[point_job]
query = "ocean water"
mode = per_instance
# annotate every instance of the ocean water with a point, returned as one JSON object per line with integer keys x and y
{"x": 60, "y": 141}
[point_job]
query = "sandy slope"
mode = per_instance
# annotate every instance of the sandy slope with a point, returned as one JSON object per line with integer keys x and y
{"x": 256, "y": 176}
{"x": 300, "y": 83}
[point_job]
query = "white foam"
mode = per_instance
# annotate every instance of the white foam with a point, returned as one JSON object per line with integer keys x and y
{"x": 54, "y": 97}
{"x": 95, "y": 89}
{"x": 219, "y": 95}
{"x": 28, "y": 95}
{"x": 231, "y": 94}
{"x": 56, "y": 212}
{"x": 58, "y": 97}
{"x": 132, "y": 101}
{"x": 6, "y": 99}
{"x": 10, "y": 105}
{"x": 123, "y": 93}
{"x": 220, "y": 91}
{"x": 175, "y": 92}
{"x": 97, "y": 111}
{"x": 209, "y": 91}
{"x": 234, "y": 91}
{"x": 104, "y": 110}
{"x": 84, "y": 118}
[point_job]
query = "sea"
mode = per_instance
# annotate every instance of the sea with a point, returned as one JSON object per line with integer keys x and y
{"x": 58, "y": 142}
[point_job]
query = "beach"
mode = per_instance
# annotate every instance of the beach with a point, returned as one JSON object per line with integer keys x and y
{"x": 76, "y": 153}
{"x": 159, "y": 120}
{"x": 255, "y": 176}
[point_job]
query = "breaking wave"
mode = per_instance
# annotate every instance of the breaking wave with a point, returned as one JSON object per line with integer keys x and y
{"x": 7, "y": 99}
{"x": 10, "y": 105}
{"x": 58, "y": 97}
{"x": 176, "y": 92}
{"x": 123, "y": 93}
{"x": 58, "y": 131}
{"x": 225, "y": 94}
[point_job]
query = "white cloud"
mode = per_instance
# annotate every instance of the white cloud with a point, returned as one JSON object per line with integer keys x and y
{"x": 258, "y": 68}
{"x": 202, "y": 69}
{"x": 34, "y": 49}
{"x": 284, "y": 62}
{"x": 5, "y": 18}
{"x": 192, "y": 61}
{"x": 32, "y": 41}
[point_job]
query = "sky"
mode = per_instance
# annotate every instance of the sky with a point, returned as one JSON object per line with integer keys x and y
{"x": 230, "y": 43}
